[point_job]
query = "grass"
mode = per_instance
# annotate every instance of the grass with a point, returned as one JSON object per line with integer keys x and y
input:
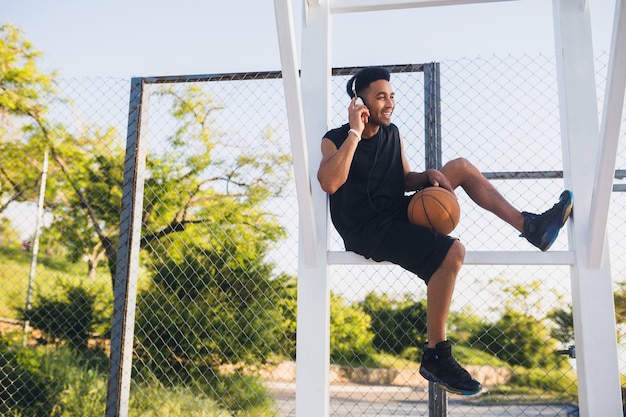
{"x": 468, "y": 356}
{"x": 386, "y": 360}
{"x": 15, "y": 272}
{"x": 53, "y": 275}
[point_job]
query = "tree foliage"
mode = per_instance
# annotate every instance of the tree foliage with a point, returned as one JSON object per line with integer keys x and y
{"x": 186, "y": 184}
{"x": 518, "y": 339}
{"x": 214, "y": 296}
{"x": 397, "y": 324}
{"x": 186, "y": 178}
{"x": 25, "y": 92}
{"x": 22, "y": 85}
{"x": 350, "y": 332}
{"x": 620, "y": 303}
{"x": 209, "y": 305}
{"x": 71, "y": 316}
{"x": 86, "y": 199}
{"x": 564, "y": 321}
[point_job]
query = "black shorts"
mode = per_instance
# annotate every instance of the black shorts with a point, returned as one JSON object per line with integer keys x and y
{"x": 416, "y": 249}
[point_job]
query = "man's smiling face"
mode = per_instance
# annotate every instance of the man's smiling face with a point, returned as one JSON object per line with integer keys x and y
{"x": 379, "y": 99}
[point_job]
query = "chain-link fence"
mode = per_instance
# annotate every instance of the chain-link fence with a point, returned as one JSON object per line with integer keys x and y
{"x": 216, "y": 306}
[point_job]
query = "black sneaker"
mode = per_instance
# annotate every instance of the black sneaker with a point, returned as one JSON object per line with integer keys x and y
{"x": 439, "y": 366}
{"x": 542, "y": 229}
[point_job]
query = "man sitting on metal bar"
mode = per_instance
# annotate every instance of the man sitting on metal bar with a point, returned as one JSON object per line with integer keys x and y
{"x": 366, "y": 173}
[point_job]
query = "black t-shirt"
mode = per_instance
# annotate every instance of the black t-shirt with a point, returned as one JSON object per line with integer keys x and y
{"x": 373, "y": 194}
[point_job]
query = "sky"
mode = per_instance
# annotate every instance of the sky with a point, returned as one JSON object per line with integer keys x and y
{"x": 124, "y": 38}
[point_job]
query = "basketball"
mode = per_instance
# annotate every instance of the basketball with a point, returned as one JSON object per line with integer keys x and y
{"x": 435, "y": 208}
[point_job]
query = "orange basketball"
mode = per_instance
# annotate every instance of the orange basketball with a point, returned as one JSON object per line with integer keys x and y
{"x": 435, "y": 208}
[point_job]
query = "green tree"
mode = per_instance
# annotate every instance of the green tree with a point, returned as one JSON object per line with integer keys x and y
{"x": 71, "y": 316}
{"x": 24, "y": 95}
{"x": 22, "y": 84}
{"x": 85, "y": 209}
{"x": 463, "y": 325}
{"x": 518, "y": 339}
{"x": 564, "y": 321}
{"x": 184, "y": 178}
{"x": 521, "y": 336}
{"x": 397, "y": 324}
{"x": 210, "y": 305}
{"x": 350, "y": 333}
{"x": 186, "y": 184}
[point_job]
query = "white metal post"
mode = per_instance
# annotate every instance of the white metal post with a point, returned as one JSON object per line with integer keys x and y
{"x": 35, "y": 242}
{"x": 592, "y": 296}
{"x": 297, "y": 134}
{"x": 611, "y": 121}
{"x": 313, "y": 337}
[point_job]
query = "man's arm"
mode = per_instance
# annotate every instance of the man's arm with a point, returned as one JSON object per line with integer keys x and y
{"x": 335, "y": 164}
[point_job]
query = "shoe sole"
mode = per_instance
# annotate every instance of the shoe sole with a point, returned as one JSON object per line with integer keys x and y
{"x": 432, "y": 378}
{"x": 567, "y": 210}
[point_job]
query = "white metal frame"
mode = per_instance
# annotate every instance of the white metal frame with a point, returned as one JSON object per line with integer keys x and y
{"x": 592, "y": 153}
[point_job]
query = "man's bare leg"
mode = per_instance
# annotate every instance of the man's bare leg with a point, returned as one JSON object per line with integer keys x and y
{"x": 461, "y": 172}
{"x": 438, "y": 365}
{"x": 439, "y": 293}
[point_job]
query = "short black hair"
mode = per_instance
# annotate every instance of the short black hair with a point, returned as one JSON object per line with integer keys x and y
{"x": 362, "y": 79}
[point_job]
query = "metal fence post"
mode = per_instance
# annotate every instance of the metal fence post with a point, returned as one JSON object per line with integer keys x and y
{"x": 432, "y": 115}
{"x": 437, "y": 398}
{"x": 127, "y": 265}
{"x": 437, "y": 401}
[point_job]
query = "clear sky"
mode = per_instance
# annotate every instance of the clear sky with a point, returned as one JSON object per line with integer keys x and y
{"x": 125, "y": 38}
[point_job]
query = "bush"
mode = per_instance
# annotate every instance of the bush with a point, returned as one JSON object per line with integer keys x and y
{"x": 350, "y": 334}
{"x": 211, "y": 307}
{"x": 555, "y": 380}
{"x": 517, "y": 339}
{"x": 397, "y": 325}
{"x": 241, "y": 394}
{"x": 23, "y": 388}
{"x": 71, "y": 315}
{"x": 174, "y": 334}
{"x": 39, "y": 382}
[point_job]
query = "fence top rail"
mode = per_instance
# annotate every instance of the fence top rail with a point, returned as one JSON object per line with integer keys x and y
{"x": 232, "y": 76}
{"x": 262, "y": 75}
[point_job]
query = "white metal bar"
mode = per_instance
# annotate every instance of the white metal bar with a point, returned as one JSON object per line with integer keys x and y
{"x": 353, "y": 6}
{"x": 313, "y": 326}
{"x": 611, "y": 122}
{"x": 473, "y": 258}
{"x": 297, "y": 134}
{"x": 597, "y": 363}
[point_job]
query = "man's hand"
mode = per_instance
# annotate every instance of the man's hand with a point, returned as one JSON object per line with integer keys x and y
{"x": 437, "y": 179}
{"x": 358, "y": 115}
